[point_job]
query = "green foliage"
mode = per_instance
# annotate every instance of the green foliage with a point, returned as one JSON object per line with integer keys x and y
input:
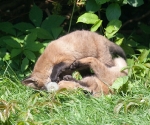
{"x": 7, "y": 28}
{"x": 100, "y": 2}
{"x": 135, "y": 3}
{"x": 22, "y": 43}
{"x": 138, "y": 71}
{"x": 92, "y": 6}
{"x": 6, "y": 108}
{"x": 119, "y": 82}
{"x": 145, "y": 28}
{"x": 129, "y": 104}
{"x": 113, "y": 11}
{"x": 90, "y": 18}
{"x": 36, "y": 15}
{"x": 112, "y": 27}
{"x": 77, "y": 75}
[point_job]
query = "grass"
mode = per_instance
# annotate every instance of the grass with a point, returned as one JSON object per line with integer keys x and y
{"x": 20, "y": 105}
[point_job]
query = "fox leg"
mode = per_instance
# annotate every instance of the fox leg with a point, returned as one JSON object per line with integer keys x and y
{"x": 70, "y": 78}
{"x": 101, "y": 71}
{"x": 91, "y": 84}
{"x": 72, "y": 85}
{"x": 92, "y": 62}
{"x": 63, "y": 68}
{"x": 58, "y": 69}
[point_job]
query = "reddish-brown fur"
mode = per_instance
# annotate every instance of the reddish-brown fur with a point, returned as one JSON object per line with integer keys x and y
{"x": 103, "y": 78}
{"x": 67, "y": 49}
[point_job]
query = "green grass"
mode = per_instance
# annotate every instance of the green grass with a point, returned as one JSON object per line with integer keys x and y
{"x": 20, "y": 105}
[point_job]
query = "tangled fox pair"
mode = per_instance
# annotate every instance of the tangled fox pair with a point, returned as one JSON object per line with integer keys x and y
{"x": 74, "y": 51}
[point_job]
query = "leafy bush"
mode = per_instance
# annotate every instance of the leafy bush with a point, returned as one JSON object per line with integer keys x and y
{"x": 97, "y": 10}
{"x": 22, "y": 43}
{"x": 112, "y": 12}
{"x": 138, "y": 71}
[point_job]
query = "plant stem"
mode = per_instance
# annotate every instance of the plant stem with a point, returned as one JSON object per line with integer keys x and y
{"x": 71, "y": 16}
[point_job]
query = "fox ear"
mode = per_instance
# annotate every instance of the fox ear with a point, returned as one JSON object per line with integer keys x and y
{"x": 29, "y": 81}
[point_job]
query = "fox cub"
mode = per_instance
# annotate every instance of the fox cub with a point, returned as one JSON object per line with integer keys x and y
{"x": 61, "y": 53}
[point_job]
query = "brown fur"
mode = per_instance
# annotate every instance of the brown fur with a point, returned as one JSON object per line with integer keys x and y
{"x": 103, "y": 78}
{"x": 65, "y": 50}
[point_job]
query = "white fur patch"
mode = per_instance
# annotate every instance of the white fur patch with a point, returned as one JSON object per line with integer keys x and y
{"x": 52, "y": 86}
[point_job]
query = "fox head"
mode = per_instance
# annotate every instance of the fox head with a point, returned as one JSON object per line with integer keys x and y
{"x": 36, "y": 80}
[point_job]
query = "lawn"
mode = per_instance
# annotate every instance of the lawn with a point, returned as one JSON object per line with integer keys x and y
{"x": 20, "y": 105}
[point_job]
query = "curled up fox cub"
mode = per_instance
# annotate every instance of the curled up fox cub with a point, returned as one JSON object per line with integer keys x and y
{"x": 61, "y": 53}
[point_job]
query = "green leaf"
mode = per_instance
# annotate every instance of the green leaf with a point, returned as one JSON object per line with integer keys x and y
{"x": 36, "y": 15}
{"x": 128, "y": 50}
{"x": 96, "y": 25}
{"x": 119, "y": 41}
{"x": 12, "y": 43}
{"x": 145, "y": 28}
{"x": 7, "y": 27}
{"x": 2, "y": 38}
{"x": 112, "y": 27}
{"x": 30, "y": 38}
{"x": 34, "y": 46}
{"x": 6, "y": 57}
{"x": 135, "y": 3}
{"x": 88, "y": 18}
{"x": 23, "y": 26}
{"x": 30, "y": 55}
{"x": 130, "y": 62}
{"x": 15, "y": 52}
{"x": 52, "y": 22}
{"x": 139, "y": 66}
{"x": 92, "y": 6}
{"x": 42, "y": 33}
{"x": 76, "y": 75}
{"x": 2, "y": 52}
{"x": 119, "y": 82}
{"x": 18, "y": 40}
{"x": 56, "y": 32}
{"x": 132, "y": 43}
{"x": 25, "y": 64}
{"x": 147, "y": 65}
{"x": 113, "y": 11}
{"x": 100, "y": 2}
{"x": 143, "y": 56}
{"x": 125, "y": 2}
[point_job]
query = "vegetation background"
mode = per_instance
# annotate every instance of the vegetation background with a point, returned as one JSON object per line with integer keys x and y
{"x": 26, "y": 27}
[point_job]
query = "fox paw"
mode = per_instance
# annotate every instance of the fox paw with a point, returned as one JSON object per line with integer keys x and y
{"x": 75, "y": 65}
{"x": 68, "y": 78}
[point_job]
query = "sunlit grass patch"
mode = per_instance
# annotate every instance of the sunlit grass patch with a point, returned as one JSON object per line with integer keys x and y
{"x": 21, "y": 105}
